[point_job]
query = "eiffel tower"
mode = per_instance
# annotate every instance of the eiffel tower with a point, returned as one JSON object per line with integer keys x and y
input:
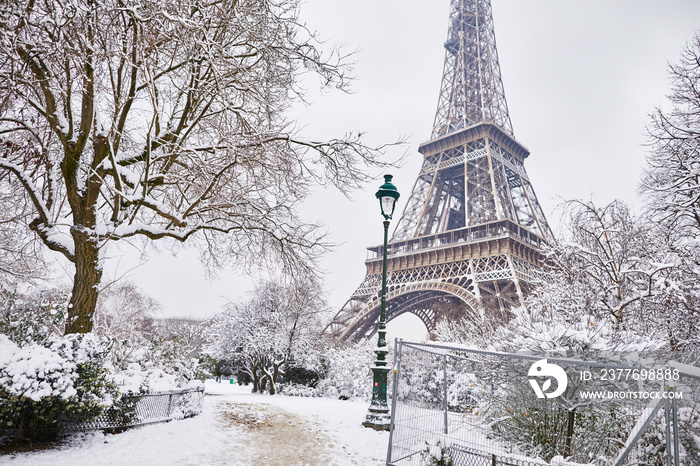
{"x": 469, "y": 240}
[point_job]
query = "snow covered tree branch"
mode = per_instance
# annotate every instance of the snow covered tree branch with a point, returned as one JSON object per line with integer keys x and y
{"x": 123, "y": 118}
{"x": 612, "y": 250}
{"x": 672, "y": 176}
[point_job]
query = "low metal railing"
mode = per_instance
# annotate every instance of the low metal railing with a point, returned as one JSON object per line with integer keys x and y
{"x": 129, "y": 410}
{"x": 147, "y": 408}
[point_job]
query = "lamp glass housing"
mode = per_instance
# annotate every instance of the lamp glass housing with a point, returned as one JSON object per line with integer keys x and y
{"x": 387, "y": 195}
{"x": 388, "y": 203}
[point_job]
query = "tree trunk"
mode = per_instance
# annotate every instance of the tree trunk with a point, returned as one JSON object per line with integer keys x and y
{"x": 88, "y": 273}
{"x": 272, "y": 379}
{"x": 569, "y": 433}
{"x": 252, "y": 371}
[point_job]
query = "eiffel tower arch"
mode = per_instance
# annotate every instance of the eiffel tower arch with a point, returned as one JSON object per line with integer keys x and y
{"x": 470, "y": 238}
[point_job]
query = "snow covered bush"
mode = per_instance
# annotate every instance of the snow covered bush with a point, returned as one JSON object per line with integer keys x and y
{"x": 168, "y": 356}
{"x": 537, "y": 331}
{"x": 126, "y": 317}
{"x": 33, "y": 318}
{"x": 689, "y": 427}
{"x": 50, "y": 382}
{"x": 188, "y": 404}
{"x": 541, "y": 427}
{"x": 295, "y": 389}
{"x": 161, "y": 366}
{"x": 436, "y": 455}
{"x": 302, "y": 375}
{"x": 346, "y": 371}
{"x": 333, "y": 370}
{"x": 44, "y": 377}
{"x": 41, "y": 386}
{"x": 424, "y": 375}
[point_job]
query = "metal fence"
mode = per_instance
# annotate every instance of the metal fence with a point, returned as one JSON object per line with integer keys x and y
{"x": 459, "y": 406}
{"x": 128, "y": 411}
{"x": 146, "y": 408}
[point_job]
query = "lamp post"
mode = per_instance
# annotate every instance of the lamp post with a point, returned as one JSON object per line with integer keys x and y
{"x": 378, "y": 417}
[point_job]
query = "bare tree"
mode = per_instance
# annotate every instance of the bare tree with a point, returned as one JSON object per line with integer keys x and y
{"x": 673, "y": 313}
{"x": 628, "y": 270}
{"x": 175, "y": 346}
{"x": 125, "y": 314}
{"x": 141, "y": 119}
{"x": 188, "y": 334}
{"x": 613, "y": 252}
{"x": 671, "y": 183}
{"x": 672, "y": 177}
{"x": 21, "y": 258}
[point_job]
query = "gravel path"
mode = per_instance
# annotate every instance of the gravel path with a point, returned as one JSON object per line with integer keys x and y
{"x": 273, "y": 436}
{"x": 236, "y": 428}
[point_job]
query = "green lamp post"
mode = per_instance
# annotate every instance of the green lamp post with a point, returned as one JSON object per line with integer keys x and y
{"x": 378, "y": 416}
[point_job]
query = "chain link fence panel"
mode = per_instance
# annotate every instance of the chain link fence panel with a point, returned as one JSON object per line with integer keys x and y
{"x": 462, "y": 406}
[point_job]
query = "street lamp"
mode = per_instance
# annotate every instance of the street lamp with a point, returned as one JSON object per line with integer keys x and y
{"x": 378, "y": 417}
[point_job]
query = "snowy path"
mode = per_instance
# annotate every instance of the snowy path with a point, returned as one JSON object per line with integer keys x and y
{"x": 235, "y": 428}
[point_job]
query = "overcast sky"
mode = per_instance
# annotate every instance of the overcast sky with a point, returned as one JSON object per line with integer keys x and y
{"x": 580, "y": 78}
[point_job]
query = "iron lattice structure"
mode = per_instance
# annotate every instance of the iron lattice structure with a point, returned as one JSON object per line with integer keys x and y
{"x": 469, "y": 240}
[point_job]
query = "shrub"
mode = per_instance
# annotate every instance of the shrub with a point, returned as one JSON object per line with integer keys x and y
{"x": 346, "y": 373}
{"x": 50, "y": 383}
{"x": 436, "y": 455}
{"x": 26, "y": 320}
{"x": 298, "y": 375}
{"x": 45, "y": 388}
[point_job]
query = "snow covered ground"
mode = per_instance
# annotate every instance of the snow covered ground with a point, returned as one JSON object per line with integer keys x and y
{"x": 236, "y": 427}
